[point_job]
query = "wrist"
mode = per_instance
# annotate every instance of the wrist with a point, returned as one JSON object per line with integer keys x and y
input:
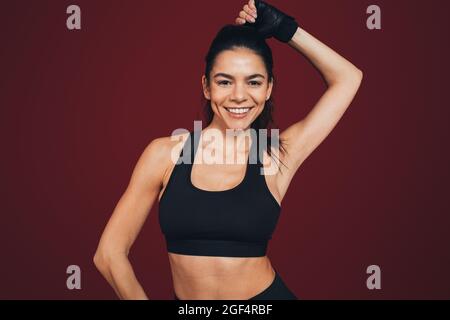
{"x": 286, "y": 29}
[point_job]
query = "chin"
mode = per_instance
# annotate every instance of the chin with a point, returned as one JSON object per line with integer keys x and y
{"x": 238, "y": 125}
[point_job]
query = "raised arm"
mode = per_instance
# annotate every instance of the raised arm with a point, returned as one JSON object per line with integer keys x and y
{"x": 342, "y": 77}
{"x": 343, "y": 80}
{"x": 130, "y": 213}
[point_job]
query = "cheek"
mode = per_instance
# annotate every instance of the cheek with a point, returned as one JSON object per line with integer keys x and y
{"x": 217, "y": 97}
{"x": 261, "y": 99}
{"x": 261, "y": 96}
{"x": 220, "y": 97}
{"x": 260, "y": 109}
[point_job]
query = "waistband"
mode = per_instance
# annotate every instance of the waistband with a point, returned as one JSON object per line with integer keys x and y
{"x": 219, "y": 248}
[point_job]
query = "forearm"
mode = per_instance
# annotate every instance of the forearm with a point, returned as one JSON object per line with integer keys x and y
{"x": 331, "y": 65}
{"x": 120, "y": 275}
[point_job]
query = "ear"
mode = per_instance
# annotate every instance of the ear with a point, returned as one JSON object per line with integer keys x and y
{"x": 206, "y": 91}
{"x": 269, "y": 90}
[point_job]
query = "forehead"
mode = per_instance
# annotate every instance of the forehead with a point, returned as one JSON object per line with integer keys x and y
{"x": 239, "y": 61}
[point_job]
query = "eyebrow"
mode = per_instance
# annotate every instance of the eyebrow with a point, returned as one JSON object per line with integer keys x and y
{"x": 225, "y": 75}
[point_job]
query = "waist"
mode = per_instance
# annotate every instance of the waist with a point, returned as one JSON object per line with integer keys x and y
{"x": 217, "y": 278}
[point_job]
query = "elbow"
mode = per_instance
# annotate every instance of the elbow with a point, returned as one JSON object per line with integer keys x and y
{"x": 352, "y": 77}
{"x": 356, "y": 75}
{"x": 105, "y": 258}
{"x": 355, "y": 78}
{"x": 360, "y": 74}
{"x": 100, "y": 261}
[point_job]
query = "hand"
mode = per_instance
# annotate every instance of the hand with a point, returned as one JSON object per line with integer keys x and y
{"x": 248, "y": 13}
{"x": 268, "y": 20}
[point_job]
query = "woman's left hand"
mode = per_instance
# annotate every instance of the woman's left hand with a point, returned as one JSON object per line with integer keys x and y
{"x": 248, "y": 13}
{"x": 268, "y": 20}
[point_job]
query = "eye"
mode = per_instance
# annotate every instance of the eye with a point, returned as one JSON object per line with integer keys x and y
{"x": 223, "y": 82}
{"x": 252, "y": 83}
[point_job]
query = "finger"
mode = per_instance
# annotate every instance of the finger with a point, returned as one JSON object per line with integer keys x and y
{"x": 240, "y": 21}
{"x": 249, "y": 11}
{"x": 246, "y": 16}
{"x": 252, "y": 5}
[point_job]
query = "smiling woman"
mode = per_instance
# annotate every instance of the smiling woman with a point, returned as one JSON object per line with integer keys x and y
{"x": 239, "y": 70}
{"x": 238, "y": 75}
{"x": 219, "y": 218}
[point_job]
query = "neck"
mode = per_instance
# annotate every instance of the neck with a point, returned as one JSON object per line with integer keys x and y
{"x": 234, "y": 140}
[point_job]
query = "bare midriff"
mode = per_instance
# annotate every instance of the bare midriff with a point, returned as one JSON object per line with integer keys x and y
{"x": 219, "y": 278}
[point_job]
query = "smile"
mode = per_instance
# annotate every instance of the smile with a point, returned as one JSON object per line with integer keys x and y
{"x": 238, "y": 112}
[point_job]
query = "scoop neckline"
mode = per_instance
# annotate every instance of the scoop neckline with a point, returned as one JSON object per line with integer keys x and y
{"x": 247, "y": 169}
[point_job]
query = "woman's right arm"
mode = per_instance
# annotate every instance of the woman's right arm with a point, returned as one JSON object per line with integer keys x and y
{"x": 128, "y": 217}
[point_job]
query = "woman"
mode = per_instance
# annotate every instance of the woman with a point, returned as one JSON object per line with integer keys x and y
{"x": 218, "y": 219}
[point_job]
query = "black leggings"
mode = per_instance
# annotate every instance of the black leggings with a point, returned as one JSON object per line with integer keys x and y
{"x": 276, "y": 291}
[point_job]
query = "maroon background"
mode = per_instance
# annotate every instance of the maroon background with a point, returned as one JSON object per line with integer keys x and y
{"x": 79, "y": 107}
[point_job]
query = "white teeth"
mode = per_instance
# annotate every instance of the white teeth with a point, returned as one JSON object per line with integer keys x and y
{"x": 238, "y": 110}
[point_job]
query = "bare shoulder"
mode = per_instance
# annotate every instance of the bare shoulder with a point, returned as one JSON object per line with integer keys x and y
{"x": 161, "y": 147}
{"x": 161, "y": 153}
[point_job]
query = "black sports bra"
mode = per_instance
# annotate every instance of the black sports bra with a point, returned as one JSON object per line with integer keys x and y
{"x": 236, "y": 222}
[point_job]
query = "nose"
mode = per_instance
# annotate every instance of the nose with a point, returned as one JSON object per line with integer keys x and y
{"x": 238, "y": 94}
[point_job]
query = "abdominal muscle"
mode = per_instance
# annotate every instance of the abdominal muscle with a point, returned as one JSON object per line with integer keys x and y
{"x": 219, "y": 278}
